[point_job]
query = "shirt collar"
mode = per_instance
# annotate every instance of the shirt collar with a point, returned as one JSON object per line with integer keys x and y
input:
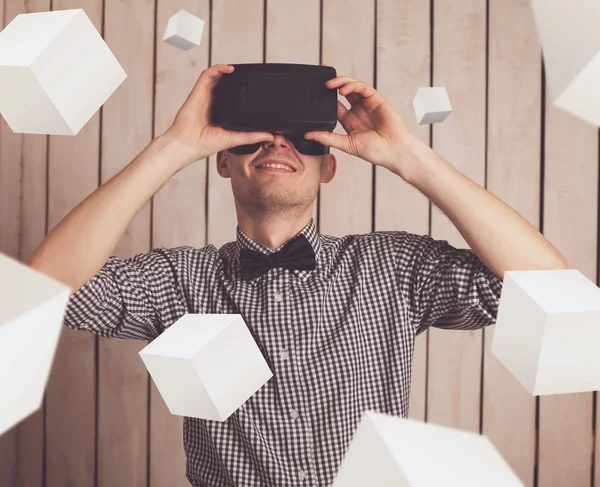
{"x": 309, "y": 231}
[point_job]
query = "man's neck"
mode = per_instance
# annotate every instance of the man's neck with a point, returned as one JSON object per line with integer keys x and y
{"x": 273, "y": 231}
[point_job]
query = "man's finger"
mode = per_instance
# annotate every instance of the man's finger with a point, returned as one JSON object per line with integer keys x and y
{"x": 209, "y": 77}
{"x": 337, "y": 141}
{"x": 362, "y": 93}
{"x": 242, "y": 138}
{"x": 357, "y": 87}
{"x": 339, "y": 80}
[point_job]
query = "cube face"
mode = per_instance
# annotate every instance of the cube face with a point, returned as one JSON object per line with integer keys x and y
{"x": 518, "y": 347}
{"x": 31, "y": 315}
{"x": 581, "y": 97}
{"x": 368, "y": 443}
{"x": 434, "y": 117}
{"x": 547, "y": 326}
{"x": 423, "y": 455}
{"x": 68, "y": 79}
{"x": 27, "y": 35}
{"x": 180, "y": 42}
{"x": 189, "y": 335}
{"x": 569, "y": 361}
{"x": 192, "y": 397}
{"x": 206, "y": 365}
{"x": 17, "y": 109}
{"x": 559, "y": 291}
{"x": 242, "y": 369}
{"x": 431, "y": 105}
{"x": 184, "y": 30}
{"x": 570, "y": 42}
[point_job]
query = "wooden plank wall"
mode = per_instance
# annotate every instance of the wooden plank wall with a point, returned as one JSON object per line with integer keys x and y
{"x": 179, "y": 217}
{"x": 459, "y": 62}
{"x": 513, "y": 174}
{"x": 23, "y": 205}
{"x": 103, "y": 422}
{"x": 569, "y": 218}
{"x": 404, "y": 65}
{"x": 71, "y": 396}
{"x": 127, "y": 127}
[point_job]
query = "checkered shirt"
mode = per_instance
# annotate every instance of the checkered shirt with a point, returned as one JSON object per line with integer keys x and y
{"x": 339, "y": 339}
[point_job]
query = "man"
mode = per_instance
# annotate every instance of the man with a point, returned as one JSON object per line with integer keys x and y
{"x": 336, "y": 318}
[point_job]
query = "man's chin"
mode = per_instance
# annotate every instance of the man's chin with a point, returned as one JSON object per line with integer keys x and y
{"x": 276, "y": 199}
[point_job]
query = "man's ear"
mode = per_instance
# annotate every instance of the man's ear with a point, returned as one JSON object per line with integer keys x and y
{"x": 328, "y": 167}
{"x": 223, "y": 164}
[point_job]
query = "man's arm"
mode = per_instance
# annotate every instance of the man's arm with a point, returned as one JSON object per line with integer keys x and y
{"x": 81, "y": 243}
{"x": 376, "y": 132}
{"x": 77, "y": 248}
{"x": 444, "y": 286}
{"x": 499, "y": 236}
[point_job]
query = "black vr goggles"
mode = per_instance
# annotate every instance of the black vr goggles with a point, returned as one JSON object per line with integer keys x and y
{"x": 287, "y": 99}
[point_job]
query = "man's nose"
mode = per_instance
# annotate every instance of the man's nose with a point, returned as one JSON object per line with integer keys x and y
{"x": 279, "y": 141}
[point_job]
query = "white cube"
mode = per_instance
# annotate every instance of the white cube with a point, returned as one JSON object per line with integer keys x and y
{"x": 184, "y": 30}
{"x": 206, "y": 365}
{"x": 432, "y": 105}
{"x": 388, "y": 451}
{"x": 548, "y": 330}
{"x": 56, "y": 71}
{"x": 570, "y": 39}
{"x": 32, "y": 306}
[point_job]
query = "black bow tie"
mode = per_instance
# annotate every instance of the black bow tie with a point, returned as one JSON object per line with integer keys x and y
{"x": 296, "y": 254}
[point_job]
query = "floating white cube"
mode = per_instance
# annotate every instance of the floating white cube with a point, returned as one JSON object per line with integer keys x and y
{"x": 206, "y": 365}
{"x": 56, "y": 71}
{"x": 388, "y": 451}
{"x": 431, "y": 105}
{"x": 547, "y": 331}
{"x": 570, "y": 39}
{"x": 32, "y": 306}
{"x": 184, "y": 30}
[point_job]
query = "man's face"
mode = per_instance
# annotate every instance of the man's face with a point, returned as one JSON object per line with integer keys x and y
{"x": 276, "y": 177}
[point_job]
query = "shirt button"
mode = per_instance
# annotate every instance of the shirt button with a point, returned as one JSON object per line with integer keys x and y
{"x": 302, "y": 474}
{"x": 285, "y": 355}
{"x": 294, "y": 414}
{"x": 278, "y": 297}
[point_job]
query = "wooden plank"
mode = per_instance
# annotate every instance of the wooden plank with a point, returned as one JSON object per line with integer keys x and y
{"x": 514, "y": 131}
{"x": 596, "y": 478}
{"x": 294, "y": 42}
{"x": 72, "y": 175}
{"x": 346, "y": 202}
{"x": 9, "y": 242}
{"x": 570, "y": 223}
{"x": 10, "y": 173}
{"x": 8, "y": 457}
{"x": 297, "y": 41}
{"x": 459, "y": 59}
{"x": 126, "y": 131}
{"x": 403, "y": 66}
{"x": 237, "y": 37}
{"x": 179, "y": 215}
{"x": 26, "y": 164}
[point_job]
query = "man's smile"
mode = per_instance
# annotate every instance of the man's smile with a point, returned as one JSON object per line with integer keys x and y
{"x": 275, "y": 165}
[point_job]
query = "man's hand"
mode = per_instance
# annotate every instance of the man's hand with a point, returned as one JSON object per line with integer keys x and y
{"x": 192, "y": 129}
{"x": 376, "y": 131}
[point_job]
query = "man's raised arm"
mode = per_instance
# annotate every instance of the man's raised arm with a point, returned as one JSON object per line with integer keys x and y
{"x": 76, "y": 249}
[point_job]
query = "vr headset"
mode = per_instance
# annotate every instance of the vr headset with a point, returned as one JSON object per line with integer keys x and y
{"x": 288, "y": 99}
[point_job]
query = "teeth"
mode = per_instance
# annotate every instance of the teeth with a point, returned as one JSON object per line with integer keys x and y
{"x": 277, "y": 166}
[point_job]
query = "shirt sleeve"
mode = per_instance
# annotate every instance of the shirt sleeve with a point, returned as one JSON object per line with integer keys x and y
{"x": 138, "y": 297}
{"x": 446, "y": 287}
